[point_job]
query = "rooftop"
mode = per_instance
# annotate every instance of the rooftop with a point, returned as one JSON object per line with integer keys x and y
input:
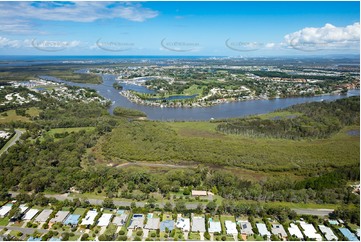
{"x": 167, "y": 224}
{"x": 43, "y": 216}
{"x": 72, "y": 219}
{"x": 120, "y": 220}
{"x": 104, "y": 220}
{"x": 278, "y": 229}
{"x": 152, "y": 223}
{"x": 184, "y": 224}
{"x": 262, "y": 229}
{"x": 231, "y": 227}
{"x": 30, "y": 214}
{"x": 328, "y": 233}
{"x": 347, "y": 233}
{"x": 294, "y": 230}
{"x": 89, "y": 218}
{"x": 198, "y": 224}
{"x": 60, "y": 216}
{"x": 246, "y": 227}
{"x": 214, "y": 227}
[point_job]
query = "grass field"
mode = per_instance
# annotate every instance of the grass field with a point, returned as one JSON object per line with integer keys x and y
{"x": 79, "y": 211}
{"x": 11, "y": 115}
{"x": 199, "y": 142}
{"x": 4, "y": 221}
{"x": 52, "y": 132}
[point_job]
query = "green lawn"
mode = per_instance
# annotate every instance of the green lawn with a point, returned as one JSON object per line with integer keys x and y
{"x": 194, "y": 236}
{"x": 52, "y": 132}
{"x": 79, "y": 211}
{"x": 4, "y": 221}
{"x": 279, "y": 115}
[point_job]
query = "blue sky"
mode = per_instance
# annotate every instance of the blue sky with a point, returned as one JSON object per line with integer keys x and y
{"x": 179, "y": 28}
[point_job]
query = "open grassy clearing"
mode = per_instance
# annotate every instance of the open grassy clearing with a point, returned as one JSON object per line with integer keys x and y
{"x": 199, "y": 142}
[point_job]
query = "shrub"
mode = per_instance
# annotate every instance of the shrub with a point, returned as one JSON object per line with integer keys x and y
{"x": 223, "y": 238}
{"x": 137, "y": 238}
{"x": 139, "y": 233}
{"x": 121, "y": 232}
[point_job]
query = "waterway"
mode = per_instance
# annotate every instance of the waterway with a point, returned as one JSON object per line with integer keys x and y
{"x": 224, "y": 110}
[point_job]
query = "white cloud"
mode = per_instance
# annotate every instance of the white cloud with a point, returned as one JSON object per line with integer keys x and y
{"x": 75, "y": 11}
{"x": 326, "y": 37}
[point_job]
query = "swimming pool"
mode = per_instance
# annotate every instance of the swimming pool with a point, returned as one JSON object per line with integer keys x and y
{"x": 149, "y": 215}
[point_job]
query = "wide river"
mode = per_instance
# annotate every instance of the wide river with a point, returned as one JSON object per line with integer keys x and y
{"x": 225, "y": 110}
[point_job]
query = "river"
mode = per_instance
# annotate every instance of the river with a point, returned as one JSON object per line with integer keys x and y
{"x": 224, "y": 110}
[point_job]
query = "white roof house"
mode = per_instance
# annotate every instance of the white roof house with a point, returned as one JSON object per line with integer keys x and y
{"x": 60, "y": 216}
{"x": 294, "y": 230}
{"x": 328, "y": 232}
{"x": 184, "y": 224}
{"x": 104, "y": 220}
{"x": 4, "y": 210}
{"x": 198, "y": 224}
{"x": 199, "y": 193}
{"x": 214, "y": 227}
{"x": 43, "y": 216}
{"x": 120, "y": 220}
{"x": 246, "y": 227}
{"x": 277, "y": 229}
{"x": 152, "y": 223}
{"x": 89, "y": 218}
{"x": 262, "y": 229}
{"x": 310, "y": 231}
{"x": 231, "y": 227}
{"x": 23, "y": 208}
{"x": 30, "y": 214}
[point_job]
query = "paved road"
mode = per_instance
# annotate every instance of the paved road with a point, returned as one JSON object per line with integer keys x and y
{"x": 24, "y": 230}
{"x": 13, "y": 140}
{"x": 317, "y": 212}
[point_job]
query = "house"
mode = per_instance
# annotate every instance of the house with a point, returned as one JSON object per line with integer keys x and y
{"x": 4, "y": 210}
{"x": 196, "y": 193}
{"x": 231, "y": 227}
{"x": 184, "y": 224}
{"x": 167, "y": 224}
{"x": 30, "y": 214}
{"x": 294, "y": 230}
{"x": 43, "y": 216}
{"x": 104, "y": 220}
{"x": 347, "y": 233}
{"x": 262, "y": 229}
{"x": 198, "y": 224}
{"x": 89, "y": 218}
{"x": 72, "y": 219}
{"x": 120, "y": 220}
{"x": 277, "y": 229}
{"x": 246, "y": 228}
{"x": 327, "y": 232}
{"x": 60, "y": 216}
{"x": 152, "y": 223}
{"x": 310, "y": 231}
{"x": 214, "y": 227}
{"x": 137, "y": 221}
{"x": 23, "y": 208}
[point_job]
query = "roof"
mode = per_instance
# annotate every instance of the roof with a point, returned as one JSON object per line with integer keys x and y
{"x": 31, "y": 238}
{"x": 152, "y": 223}
{"x": 214, "y": 227}
{"x": 104, "y": 220}
{"x": 278, "y": 229}
{"x": 30, "y": 214}
{"x": 5, "y": 209}
{"x": 329, "y": 235}
{"x": 136, "y": 222}
{"x": 294, "y": 230}
{"x": 310, "y": 231}
{"x": 262, "y": 229}
{"x": 198, "y": 224}
{"x": 167, "y": 224}
{"x": 246, "y": 227}
{"x": 199, "y": 193}
{"x": 23, "y": 208}
{"x": 347, "y": 233}
{"x": 120, "y": 220}
{"x": 43, "y": 216}
{"x": 89, "y": 218}
{"x": 60, "y": 216}
{"x": 231, "y": 227}
{"x": 184, "y": 224}
{"x": 72, "y": 219}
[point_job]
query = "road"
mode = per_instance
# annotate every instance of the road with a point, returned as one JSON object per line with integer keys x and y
{"x": 24, "y": 230}
{"x": 12, "y": 141}
{"x": 317, "y": 212}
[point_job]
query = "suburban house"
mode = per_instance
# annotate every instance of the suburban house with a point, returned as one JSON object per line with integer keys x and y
{"x": 104, "y": 220}
{"x": 184, "y": 224}
{"x": 89, "y": 218}
{"x": 327, "y": 232}
{"x": 60, "y": 216}
{"x": 4, "y": 210}
{"x": 152, "y": 224}
{"x": 214, "y": 227}
{"x": 294, "y": 230}
{"x": 198, "y": 224}
{"x": 137, "y": 221}
{"x": 72, "y": 219}
{"x": 169, "y": 224}
{"x": 262, "y": 229}
{"x": 30, "y": 214}
{"x": 246, "y": 228}
{"x": 120, "y": 220}
{"x": 310, "y": 231}
{"x": 231, "y": 227}
{"x": 347, "y": 233}
{"x": 277, "y": 229}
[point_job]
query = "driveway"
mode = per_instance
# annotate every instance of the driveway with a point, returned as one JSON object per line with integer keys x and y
{"x": 202, "y": 235}
{"x": 12, "y": 141}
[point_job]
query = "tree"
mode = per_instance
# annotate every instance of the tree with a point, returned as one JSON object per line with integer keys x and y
{"x": 180, "y": 206}
{"x": 168, "y": 206}
{"x": 211, "y": 207}
{"x": 108, "y": 203}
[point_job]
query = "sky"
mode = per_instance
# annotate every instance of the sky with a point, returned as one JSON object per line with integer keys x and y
{"x": 179, "y": 28}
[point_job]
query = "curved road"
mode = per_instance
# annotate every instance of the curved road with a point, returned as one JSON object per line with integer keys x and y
{"x": 12, "y": 141}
